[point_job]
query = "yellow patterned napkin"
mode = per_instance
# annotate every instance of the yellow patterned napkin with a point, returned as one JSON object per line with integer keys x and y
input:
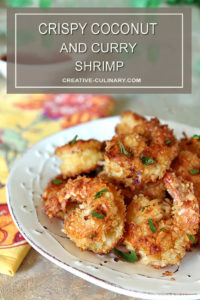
{"x": 24, "y": 120}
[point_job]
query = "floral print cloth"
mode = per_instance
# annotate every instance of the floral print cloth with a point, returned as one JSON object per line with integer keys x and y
{"x": 24, "y": 120}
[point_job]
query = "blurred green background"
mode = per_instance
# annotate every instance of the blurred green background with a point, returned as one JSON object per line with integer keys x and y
{"x": 96, "y": 3}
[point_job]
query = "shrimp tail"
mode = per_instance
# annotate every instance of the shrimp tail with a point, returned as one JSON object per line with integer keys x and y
{"x": 185, "y": 204}
{"x": 173, "y": 186}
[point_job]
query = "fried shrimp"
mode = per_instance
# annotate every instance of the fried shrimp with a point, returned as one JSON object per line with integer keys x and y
{"x": 191, "y": 144}
{"x": 128, "y": 121}
{"x": 126, "y": 191}
{"x": 142, "y": 156}
{"x": 80, "y": 157}
{"x": 152, "y": 190}
{"x": 187, "y": 164}
{"x": 161, "y": 231}
{"x": 51, "y": 206}
{"x": 97, "y": 224}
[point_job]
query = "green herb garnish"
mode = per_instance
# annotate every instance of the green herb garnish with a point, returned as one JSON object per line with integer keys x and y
{"x": 162, "y": 229}
{"x": 130, "y": 257}
{"x": 100, "y": 193}
{"x": 74, "y": 140}
{"x": 168, "y": 142}
{"x": 57, "y": 181}
{"x": 196, "y": 137}
{"x": 145, "y": 207}
{"x": 92, "y": 236}
{"x": 131, "y": 153}
{"x": 191, "y": 237}
{"x": 147, "y": 160}
{"x": 122, "y": 149}
{"x": 194, "y": 171}
{"x": 151, "y": 225}
{"x": 96, "y": 215}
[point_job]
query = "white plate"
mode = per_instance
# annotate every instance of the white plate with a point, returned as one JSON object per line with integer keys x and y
{"x": 26, "y": 182}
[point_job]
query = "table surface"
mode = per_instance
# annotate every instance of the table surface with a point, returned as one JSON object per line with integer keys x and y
{"x": 37, "y": 278}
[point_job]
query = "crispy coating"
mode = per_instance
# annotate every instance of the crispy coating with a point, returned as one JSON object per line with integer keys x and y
{"x": 167, "y": 243}
{"x": 188, "y": 160}
{"x": 152, "y": 190}
{"x": 86, "y": 230}
{"x": 190, "y": 144}
{"x": 148, "y": 140}
{"x": 128, "y": 121}
{"x": 52, "y": 197}
{"x": 183, "y": 164}
{"x": 127, "y": 193}
{"x": 51, "y": 206}
{"x": 82, "y": 157}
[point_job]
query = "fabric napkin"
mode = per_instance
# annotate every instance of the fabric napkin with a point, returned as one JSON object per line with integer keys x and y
{"x": 24, "y": 120}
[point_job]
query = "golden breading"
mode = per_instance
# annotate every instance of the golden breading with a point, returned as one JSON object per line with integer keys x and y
{"x": 191, "y": 144}
{"x": 184, "y": 165}
{"x": 152, "y": 190}
{"x": 81, "y": 157}
{"x": 127, "y": 193}
{"x": 141, "y": 157}
{"x": 97, "y": 224}
{"x": 187, "y": 164}
{"x": 159, "y": 231}
{"x": 128, "y": 121}
{"x": 51, "y": 206}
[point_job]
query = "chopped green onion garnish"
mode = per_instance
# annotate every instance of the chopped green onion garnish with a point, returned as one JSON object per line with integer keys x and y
{"x": 92, "y": 236}
{"x": 191, "y": 237}
{"x": 131, "y": 152}
{"x": 194, "y": 171}
{"x": 151, "y": 225}
{"x": 74, "y": 140}
{"x": 57, "y": 181}
{"x": 96, "y": 215}
{"x": 100, "y": 193}
{"x": 122, "y": 149}
{"x": 147, "y": 160}
{"x": 145, "y": 207}
{"x": 196, "y": 137}
{"x": 162, "y": 229}
{"x": 168, "y": 142}
{"x": 130, "y": 257}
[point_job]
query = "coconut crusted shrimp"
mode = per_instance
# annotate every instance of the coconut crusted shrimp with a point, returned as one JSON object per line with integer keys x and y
{"x": 142, "y": 156}
{"x": 97, "y": 224}
{"x": 51, "y": 206}
{"x": 128, "y": 121}
{"x": 191, "y": 144}
{"x": 80, "y": 157}
{"x": 161, "y": 232}
{"x": 152, "y": 190}
{"x": 187, "y": 164}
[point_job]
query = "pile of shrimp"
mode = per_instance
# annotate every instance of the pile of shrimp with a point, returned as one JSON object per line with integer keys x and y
{"x": 139, "y": 190}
